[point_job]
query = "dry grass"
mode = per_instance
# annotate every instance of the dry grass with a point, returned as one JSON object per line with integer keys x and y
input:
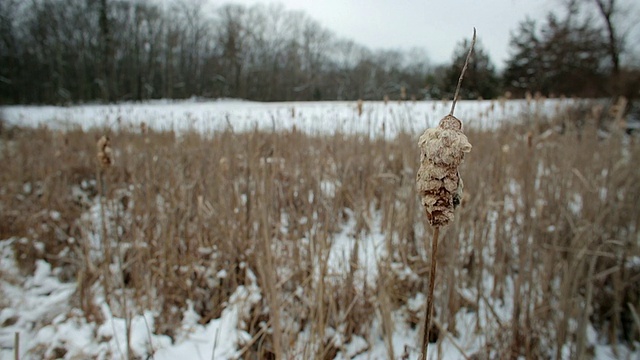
{"x": 550, "y": 218}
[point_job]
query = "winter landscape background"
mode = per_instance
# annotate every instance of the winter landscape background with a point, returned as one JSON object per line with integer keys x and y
{"x": 184, "y": 179}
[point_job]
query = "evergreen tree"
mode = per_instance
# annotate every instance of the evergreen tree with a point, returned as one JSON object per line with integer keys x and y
{"x": 560, "y": 57}
{"x": 480, "y": 80}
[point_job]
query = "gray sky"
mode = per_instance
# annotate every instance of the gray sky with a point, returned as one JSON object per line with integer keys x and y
{"x": 434, "y": 25}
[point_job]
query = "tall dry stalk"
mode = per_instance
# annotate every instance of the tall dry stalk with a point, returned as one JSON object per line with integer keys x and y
{"x": 105, "y": 161}
{"x": 439, "y": 184}
{"x": 16, "y": 346}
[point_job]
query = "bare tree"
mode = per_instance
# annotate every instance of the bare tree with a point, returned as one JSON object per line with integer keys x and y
{"x": 60, "y": 51}
{"x": 607, "y": 10}
{"x": 107, "y": 52}
{"x": 9, "y": 52}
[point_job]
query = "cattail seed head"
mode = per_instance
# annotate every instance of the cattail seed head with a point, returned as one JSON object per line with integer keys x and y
{"x": 104, "y": 152}
{"x": 224, "y": 165}
{"x": 438, "y": 181}
{"x": 617, "y": 111}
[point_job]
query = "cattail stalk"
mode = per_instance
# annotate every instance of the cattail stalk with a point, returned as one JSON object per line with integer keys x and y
{"x": 439, "y": 184}
{"x": 16, "y": 346}
{"x": 464, "y": 69}
{"x": 432, "y": 282}
{"x": 104, "y": 162}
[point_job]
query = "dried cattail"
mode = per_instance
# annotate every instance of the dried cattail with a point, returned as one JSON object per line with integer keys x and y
{"x": 61, "y": 142}
{"x": 617, "y": 111}
{"x": 596, "y": 111}
{"x": 442, "y": 150}
{"x": 538, "y": 96}
{"x": 502, "y": 101}
{"x": 224, "y": 165}
{"x": 439, "y": 184}
{"x": 104, "y": 152}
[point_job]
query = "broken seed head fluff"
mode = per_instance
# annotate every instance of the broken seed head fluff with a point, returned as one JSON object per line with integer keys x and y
{"x": 439, "y": 184}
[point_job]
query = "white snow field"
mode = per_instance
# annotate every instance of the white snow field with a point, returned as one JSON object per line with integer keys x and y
{"x": 377, "y": 118}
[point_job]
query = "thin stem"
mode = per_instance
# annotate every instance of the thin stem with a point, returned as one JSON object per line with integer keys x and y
{"x": 464, "y": 69}
{"x": 432, "y": 281}
{"x": 16, "y": 346}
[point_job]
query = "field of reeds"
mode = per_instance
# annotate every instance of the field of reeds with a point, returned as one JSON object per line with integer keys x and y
{"x": 319, "y": 243}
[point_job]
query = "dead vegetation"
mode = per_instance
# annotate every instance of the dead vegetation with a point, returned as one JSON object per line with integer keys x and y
{"x": 549, "y": 223}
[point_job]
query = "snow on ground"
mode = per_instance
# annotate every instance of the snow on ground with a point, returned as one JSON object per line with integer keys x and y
{"x": 370, "y": 248}
{"x": 39, "y": 308}
{"x": 311, "y": 117}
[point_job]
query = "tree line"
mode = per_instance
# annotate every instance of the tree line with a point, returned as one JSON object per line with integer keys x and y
{"x": 70, "y": 51}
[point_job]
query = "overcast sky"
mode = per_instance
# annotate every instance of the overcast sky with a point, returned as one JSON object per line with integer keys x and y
{"x": 434, "y": 25}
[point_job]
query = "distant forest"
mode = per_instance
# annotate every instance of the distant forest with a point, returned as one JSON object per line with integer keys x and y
{"x": 75, "y": 51}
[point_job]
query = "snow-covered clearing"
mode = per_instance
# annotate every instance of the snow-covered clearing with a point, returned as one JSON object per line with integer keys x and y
{"x": 377, "y": 118}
